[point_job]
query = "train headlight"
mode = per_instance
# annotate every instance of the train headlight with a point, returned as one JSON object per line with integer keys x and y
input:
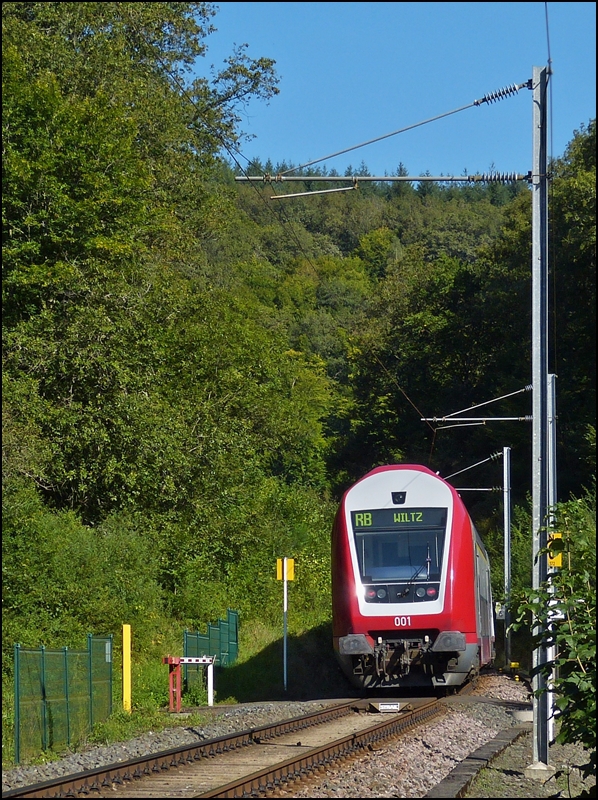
{"x": 449, "y": 641}
{"x": 381, "y": 594}
{"x": 420, "y": 592}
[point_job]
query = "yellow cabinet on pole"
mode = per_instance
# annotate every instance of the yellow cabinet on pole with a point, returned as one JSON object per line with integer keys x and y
{"x": 555, "y": 559}
{"x": 290, "y": 569}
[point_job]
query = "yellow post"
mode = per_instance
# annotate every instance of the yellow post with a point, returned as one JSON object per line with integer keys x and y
{"x": 127, "y": 668}
{"x": 285, "y": 571}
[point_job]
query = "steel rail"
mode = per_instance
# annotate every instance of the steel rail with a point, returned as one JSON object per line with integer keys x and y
{"x": 268, "y": 779}
{"x": 271, "y": 778}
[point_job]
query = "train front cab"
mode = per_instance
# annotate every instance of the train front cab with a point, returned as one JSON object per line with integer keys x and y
{"x": 407, "y": 610}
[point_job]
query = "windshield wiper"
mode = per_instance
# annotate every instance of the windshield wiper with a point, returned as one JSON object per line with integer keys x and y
{"x": 426, "y": 564}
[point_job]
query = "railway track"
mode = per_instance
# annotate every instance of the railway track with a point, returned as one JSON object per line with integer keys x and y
{"x": 253, "y": 763}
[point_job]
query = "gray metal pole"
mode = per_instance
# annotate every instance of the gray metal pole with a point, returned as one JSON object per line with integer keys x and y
{"x": 551, "y": 447}
{"x": 539, "y": 395}
{"x": 552, "y": 499}
{"x": 506, "y": 483}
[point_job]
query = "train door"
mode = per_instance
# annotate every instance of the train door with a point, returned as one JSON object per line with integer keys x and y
{"x": 485, "y": 618}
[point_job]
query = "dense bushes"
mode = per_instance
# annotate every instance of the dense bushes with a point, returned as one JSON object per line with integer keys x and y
{"x": 563, "y": 612}
{"x": 63, "y": 579}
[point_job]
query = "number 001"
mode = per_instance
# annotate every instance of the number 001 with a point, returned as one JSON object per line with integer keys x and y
{"x": 402, "y": 622}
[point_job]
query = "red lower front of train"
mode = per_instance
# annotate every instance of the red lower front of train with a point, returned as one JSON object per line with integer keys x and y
{"x": 434, "y": 626}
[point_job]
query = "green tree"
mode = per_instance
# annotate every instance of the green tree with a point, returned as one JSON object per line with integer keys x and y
{"x": 139, "y": 386}
{"x": 109, "y": 152}
{"x": 375, "y": 250}
{"x": 573, "y": 319}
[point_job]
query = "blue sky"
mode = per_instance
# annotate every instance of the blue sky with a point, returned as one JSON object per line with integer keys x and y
{"x": 350, "y": 72}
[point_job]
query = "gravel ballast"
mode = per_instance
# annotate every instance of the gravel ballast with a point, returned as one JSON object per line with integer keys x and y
{"x": 416, "y": 762}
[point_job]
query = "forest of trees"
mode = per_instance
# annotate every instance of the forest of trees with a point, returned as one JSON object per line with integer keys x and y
{"x": 192, "y": 376}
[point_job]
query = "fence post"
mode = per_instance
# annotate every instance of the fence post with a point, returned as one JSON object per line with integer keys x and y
{"x": 66, "y": 694}
{"x": 17, "y": 705}
{"x": 43, "y": 694}
{"x": 89, "y": 679}
{"x": 110, "y": 637}
{"x": 233, "y": 634}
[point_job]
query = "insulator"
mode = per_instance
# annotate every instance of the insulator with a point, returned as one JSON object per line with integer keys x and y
{"x": 495, "y": 177}
{"x": 500, "y": 94}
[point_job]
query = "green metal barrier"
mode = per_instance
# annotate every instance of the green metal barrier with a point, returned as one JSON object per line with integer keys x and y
{"x": 60, "y": 694}
{"x": 221, "y": 641}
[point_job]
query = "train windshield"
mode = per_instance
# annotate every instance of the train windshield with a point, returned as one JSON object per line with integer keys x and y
{"x": 404, "y": 545}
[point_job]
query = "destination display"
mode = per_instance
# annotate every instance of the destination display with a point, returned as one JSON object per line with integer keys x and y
{"x": 385, "y": 519}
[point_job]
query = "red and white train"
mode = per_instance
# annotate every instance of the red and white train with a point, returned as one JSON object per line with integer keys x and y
{"x": 411, "y": 597}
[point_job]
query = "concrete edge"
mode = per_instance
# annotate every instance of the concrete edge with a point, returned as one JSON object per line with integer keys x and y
{"x": 458, "y": 780}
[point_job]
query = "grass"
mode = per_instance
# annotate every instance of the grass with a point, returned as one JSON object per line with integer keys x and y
{"x": 258, "y": 675}
{"x": 504, "y": 776}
